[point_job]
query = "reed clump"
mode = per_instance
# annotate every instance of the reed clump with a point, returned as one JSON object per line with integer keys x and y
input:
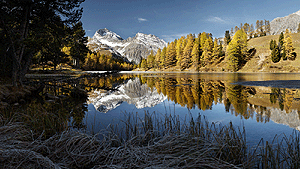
{"x": 145, "y": 142}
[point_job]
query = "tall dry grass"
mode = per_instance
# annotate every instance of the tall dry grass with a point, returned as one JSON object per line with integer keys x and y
{"x": 150, "y": 141}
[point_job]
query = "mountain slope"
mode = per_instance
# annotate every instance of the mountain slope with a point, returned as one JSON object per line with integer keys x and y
{"x": 290, "y": 22}
{"x": 133, "y": 49}
{"x": 261, "y": 61}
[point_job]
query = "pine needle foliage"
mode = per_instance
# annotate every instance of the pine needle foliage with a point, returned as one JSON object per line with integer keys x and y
{"x": 236, "y": 50}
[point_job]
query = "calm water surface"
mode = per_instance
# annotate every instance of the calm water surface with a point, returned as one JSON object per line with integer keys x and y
{"x": 264, "y": 111}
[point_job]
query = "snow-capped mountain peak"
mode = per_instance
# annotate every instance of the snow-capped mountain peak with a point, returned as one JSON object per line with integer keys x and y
{"x": 298, "y": 12}
{"x": 133, "y": 49}
{"x": 105, "y": 33}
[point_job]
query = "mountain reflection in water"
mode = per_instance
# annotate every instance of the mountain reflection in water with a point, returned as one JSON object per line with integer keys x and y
{"x": 197, "y": 92}
{"x": 132, "y": 92}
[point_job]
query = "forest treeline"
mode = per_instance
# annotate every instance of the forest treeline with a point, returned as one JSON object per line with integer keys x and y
{"x": 196, "y": 52}
{"x": 97, "y": 61}
{"x": 202, "y": 51}
{"x": 262, "y": 28}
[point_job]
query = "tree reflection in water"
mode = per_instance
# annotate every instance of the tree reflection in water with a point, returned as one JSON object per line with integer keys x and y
{"x": 192, "y": 92}
{"x": 247, "y": 102}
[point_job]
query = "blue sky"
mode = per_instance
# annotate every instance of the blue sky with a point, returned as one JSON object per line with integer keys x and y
{"x": 171, "y": 19}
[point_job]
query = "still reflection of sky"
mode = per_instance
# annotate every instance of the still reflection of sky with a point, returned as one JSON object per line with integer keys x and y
{"x": 284, "y": 121}
{"x": 96, "y": 120}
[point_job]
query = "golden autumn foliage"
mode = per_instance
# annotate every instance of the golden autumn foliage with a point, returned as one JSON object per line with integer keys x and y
{"x": 96, "y": 61}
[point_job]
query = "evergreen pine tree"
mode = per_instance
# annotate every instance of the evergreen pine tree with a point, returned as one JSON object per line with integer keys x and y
{"x": 227, "y": 37}
{"x": 157, "y": 58}
{"x": 179, "y": 50}
{"x": 150, "y": 60}
{"x": 144, "y": 64}
{"x": 170, "y": 55}
{"x": 184, "y": 42}
{"x": 187, "y": 53}
{"x": 261, "y": 28}
{"x": 231, "y": 32}
{"x": 221, "y": 53}
{"x": 203, "y": 38}
{"x": 236, "y": 28}
{"x": 162, "y": 58}
{"x": 257, "y": 26}
{"x": 267, "y": 27}
{"x": 233, "y": 56}
{"x": 275, "y": 54}
{"x": 241, "y": 26}
{"x": 283, "y": 55}
{"x": 88, "y": 62}
{"x": 78, "y": 48}
{"x": 196, "y": 54}
{"x": 281, "y": 40}
{"x": 288, "y": 45}
{"x": 237, "y": 50}
{"x": 273, "y": 44}
{"x": 246, "y": 28}
{"x": 207, "y": 52}
{"x": 215, "y": 51}
{"x": 251, "y": 31}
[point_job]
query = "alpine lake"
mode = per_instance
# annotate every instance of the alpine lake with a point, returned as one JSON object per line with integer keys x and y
{"x": 266, "y": 104}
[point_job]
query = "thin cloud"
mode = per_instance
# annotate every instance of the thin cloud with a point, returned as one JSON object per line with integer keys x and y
{"x": 172, "y": 37}
{"x": 216, "y": 19}
{"x": 142, "y": 20}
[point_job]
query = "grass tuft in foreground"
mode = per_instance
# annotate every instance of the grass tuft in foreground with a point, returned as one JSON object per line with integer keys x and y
{"x": 145, "y": 142}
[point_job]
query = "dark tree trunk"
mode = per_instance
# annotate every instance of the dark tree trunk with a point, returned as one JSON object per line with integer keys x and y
{"x": 18, "y": 72}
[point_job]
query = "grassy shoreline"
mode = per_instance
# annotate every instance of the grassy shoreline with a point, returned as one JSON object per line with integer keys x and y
{"x": 145, "y": 142}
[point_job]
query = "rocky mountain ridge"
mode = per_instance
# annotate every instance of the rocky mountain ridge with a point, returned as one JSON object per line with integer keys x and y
{"x": 290, "y": 22}
{"x": 132, "y": 49}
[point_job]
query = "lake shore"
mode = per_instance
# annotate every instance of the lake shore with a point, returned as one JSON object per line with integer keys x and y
{"x": 196, "y": 144}
{"x": 291, "y": 84}
{"x": 151, "y": 142}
